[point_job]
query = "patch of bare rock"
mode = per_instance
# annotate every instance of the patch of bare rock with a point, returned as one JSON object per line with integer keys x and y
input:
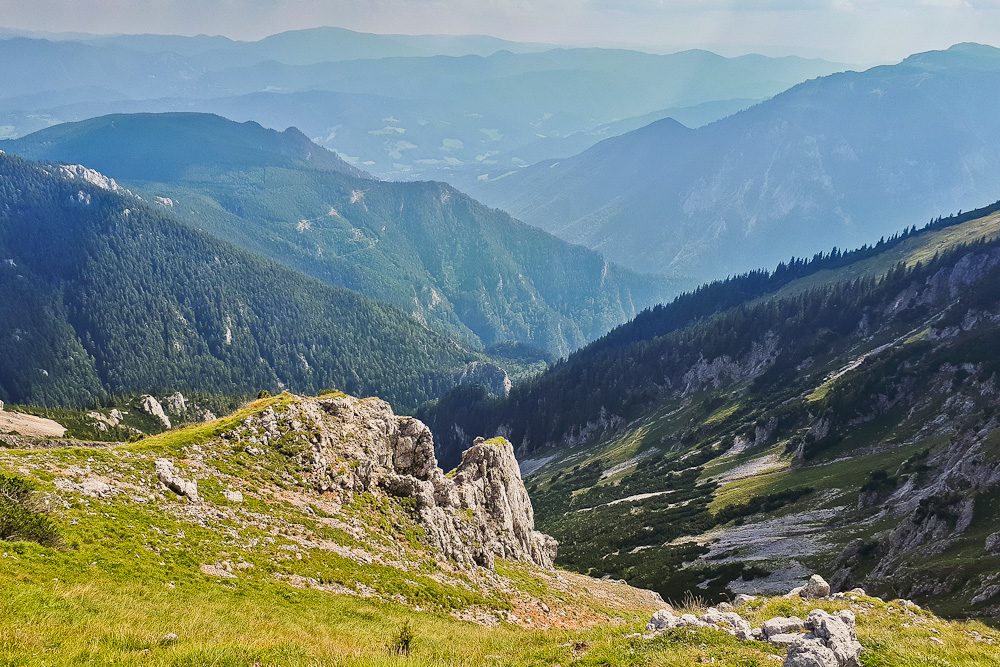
{"x": 478, "y": 512}
{"x": 820, "y": 640}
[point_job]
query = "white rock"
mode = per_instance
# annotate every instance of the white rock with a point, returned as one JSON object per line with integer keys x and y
{"x": 152, "y": 406}
{"x": 781, "y": 625}
{"x": 837, "y": 632}
{"x": 176, "y": 404}
{"x": 784, "y": 640}
{"x": 816, "y": 588}
{"x": 662, "y": 619}
{"x": 169, "y": 477}
{"x": 233, "y": 496}
{"x": 806, "y": 653}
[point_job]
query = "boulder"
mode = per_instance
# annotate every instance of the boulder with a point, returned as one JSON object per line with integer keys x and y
{"x": 729, "y": 621}
{"x": 781, "y": 625}
{"x": 169, "y": 477}
{"x": 743, "y": 599}
{"x": 663, "y": 619}
{"x": 805, "y": 653}
{"x": 233, "y": 496}
{"x": 837, "y": 632}
{"x": 816, "y": 588}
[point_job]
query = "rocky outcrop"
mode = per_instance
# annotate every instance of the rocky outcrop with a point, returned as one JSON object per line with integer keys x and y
{"x": 727, "y": 621}
{"x": 349, "y": 446}
{"x": 176, "y": 404}
{"x": 152, "y": 406}
{"x": 489, "y": 375}
{"x": 832, "y": 642}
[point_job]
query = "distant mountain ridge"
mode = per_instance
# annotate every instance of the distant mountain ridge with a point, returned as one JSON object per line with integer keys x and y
{"x": 162, "y": 147}
{"x": 424, "y": 247}
{"x": 400, "y": 107}
{"x": 835, "y": 161}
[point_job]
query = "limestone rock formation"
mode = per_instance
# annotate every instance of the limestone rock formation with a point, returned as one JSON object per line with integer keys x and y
{"x": 176, "y": 404}
{"x": 831, "y": 641}
{"x": 727, "y": 621}
{"x": 350, "y": 446}
{"x": 816, "y": 588}
{"x": 492, "y": 377}
{"x": 152, "y": 406}
{"x": 171, "y": 479}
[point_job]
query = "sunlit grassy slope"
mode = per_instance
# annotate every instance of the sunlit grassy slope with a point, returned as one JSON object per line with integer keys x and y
{"x": 737, "y": 485}
{"x": 285, "y": 577}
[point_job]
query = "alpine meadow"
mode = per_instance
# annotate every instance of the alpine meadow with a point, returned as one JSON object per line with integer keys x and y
{"x": 529, "y": 334}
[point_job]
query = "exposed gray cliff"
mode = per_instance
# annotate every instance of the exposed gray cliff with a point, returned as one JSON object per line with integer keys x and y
{"x": 349, "y": 446}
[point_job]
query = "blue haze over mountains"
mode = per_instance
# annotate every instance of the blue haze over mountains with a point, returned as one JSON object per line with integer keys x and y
{"x": 403, "y": 107}
{"x": 836, "y": 161}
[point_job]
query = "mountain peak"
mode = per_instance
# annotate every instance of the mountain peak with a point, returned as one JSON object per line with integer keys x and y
{"x": 965, "y": 54}
{"x": 164, "y": 146}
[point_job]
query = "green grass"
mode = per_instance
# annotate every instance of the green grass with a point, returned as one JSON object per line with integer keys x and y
{"x": 129, "y": 573}
{"x": 197, "y": 434}
{"x": 102, "y": 620}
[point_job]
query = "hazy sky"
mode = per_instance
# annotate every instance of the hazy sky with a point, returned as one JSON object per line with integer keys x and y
{"x": 852, "y": 30}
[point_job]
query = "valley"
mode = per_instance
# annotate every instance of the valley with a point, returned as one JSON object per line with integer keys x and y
{"x": 854, "y": 440}
{"x": 326, "y": 347}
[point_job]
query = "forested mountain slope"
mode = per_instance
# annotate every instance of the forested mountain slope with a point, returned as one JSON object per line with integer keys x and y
{"x": 835, "y": 161}
{"x": 843, "y": 422}
{"x": 100, "y": 293}
{"x": 424, "y": 247}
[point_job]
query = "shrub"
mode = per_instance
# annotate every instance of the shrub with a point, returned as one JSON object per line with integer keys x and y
{"x": 21, "y": 516}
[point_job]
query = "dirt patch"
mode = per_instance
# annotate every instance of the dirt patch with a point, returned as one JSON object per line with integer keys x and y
{"x": 11, "y": 422}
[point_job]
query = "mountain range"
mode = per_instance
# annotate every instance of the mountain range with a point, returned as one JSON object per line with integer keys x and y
{"x": 836, "y": 161}
{"x": 400, "y": 107}
{"x": 424, "y": 247}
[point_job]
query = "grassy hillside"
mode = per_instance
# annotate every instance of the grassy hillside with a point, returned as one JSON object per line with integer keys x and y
{"x": 284, "y": 575}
